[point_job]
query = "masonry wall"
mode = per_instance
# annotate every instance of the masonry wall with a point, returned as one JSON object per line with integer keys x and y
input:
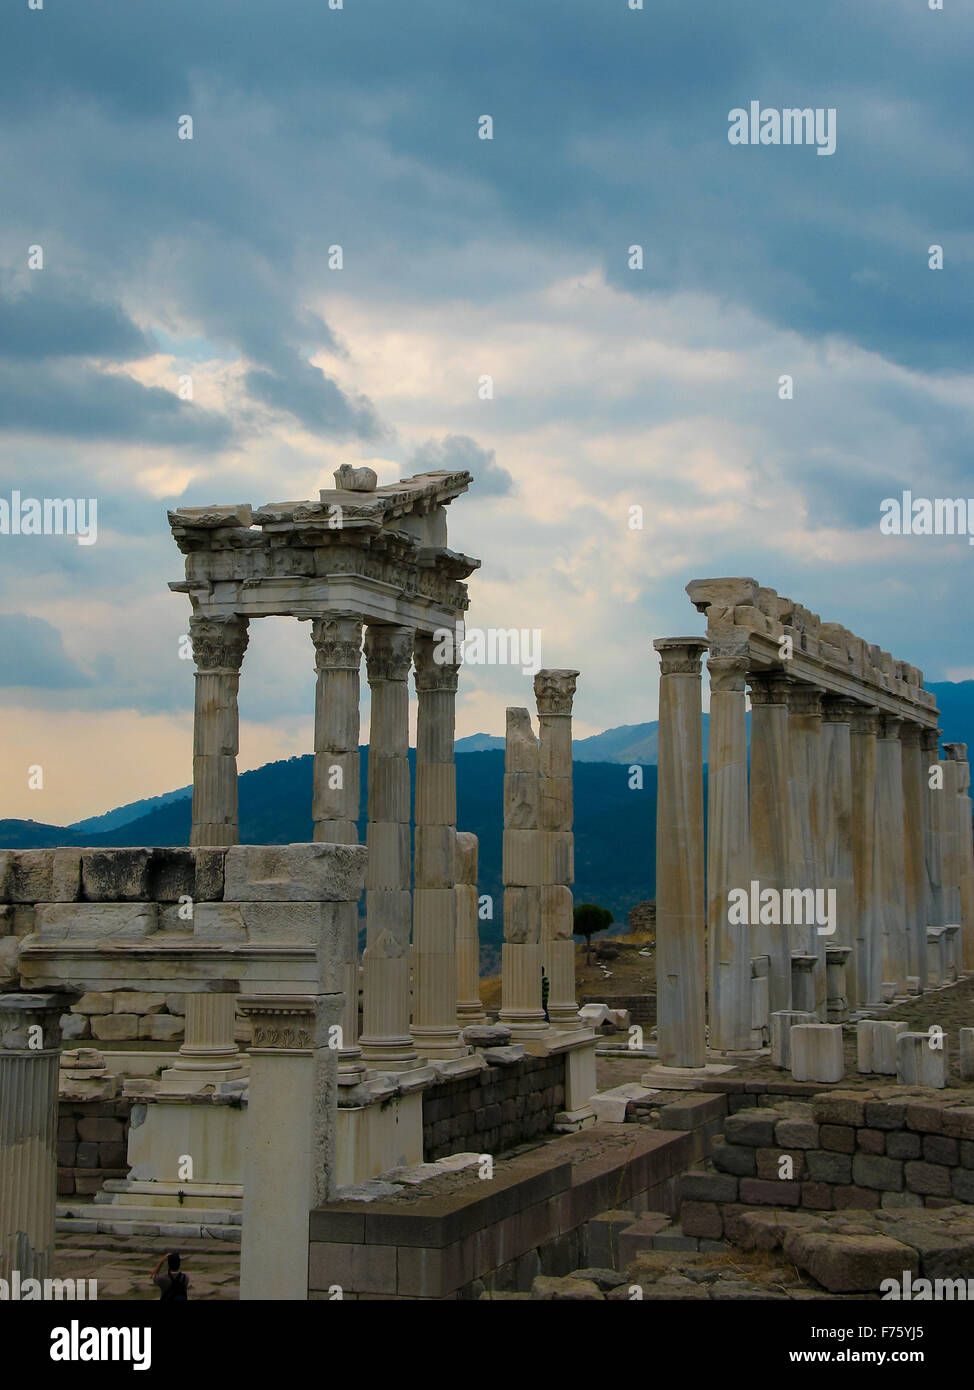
{"x": 891, "y": 1148}
{"x": 494, "y": 1110}
{"x": 92, "y": 1144}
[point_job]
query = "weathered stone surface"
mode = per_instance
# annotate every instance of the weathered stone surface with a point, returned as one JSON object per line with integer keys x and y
{"x": 958, "y": 1122}
{"x": 486, "y": 1035}
{"x": 708, "y": 1187}
{"x": 763, "y": 1192}
{"x": 872, "y": 1141}
{"x": 839, "y": 1138}
{"x": 27, "y": 875}
{"x": 876, "y": 1045}
{"x": 604, "y": 1279}
{"x": 135, "y": 1001}
{"x": 294, "y": 873}
{"x": 885, "y": 1174}
{"x": 903, "y": 1144}
{"x": 755, "y": 1127}
{"x": 161, "y": 1027}
{"x": 115, "y": 875}
{"x": 115, "y": 1027}
{"x": 816, "y": 1052}
{"x": 95, "y": 1002}
{"x": 883, "y": 1114}
{"x": 702, "y": 1220}
{"x": 90, "y": 921}
{"x": 828, "y": 1167}
{"x": 796, "y": 1134}
{"x": 840, "y": 1108}
{"x": 209, "y": 874}
{"x": 567, "y": 1289}
{"x": 920, "y": 1064}
{"x": 739, "y": 1159}
{"x": 929, "y": 1179}
{"x": 850, "y": 1263}
{"x": 172, "y": 874}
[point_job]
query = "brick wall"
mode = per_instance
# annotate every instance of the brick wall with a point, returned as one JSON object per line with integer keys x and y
{"x": 494, "y": 1110}
{"x": 891, "y": 1148}
{"x": 92, "y": 1144}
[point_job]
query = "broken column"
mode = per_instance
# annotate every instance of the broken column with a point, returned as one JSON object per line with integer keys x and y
{"x": 218, "y": 650}
{"x": 554, "y": 692}
{"x": 386, "y": 1041}
{"x": 728, "y": 855}
{"x": 434, "y": 1027}
{"x": 30, "y": 1048}
{"x": 680, "y": 906}
{"x": 469, "y": 1008}
{"x": 521, "y": 957}
{"x": 769, "y": 826}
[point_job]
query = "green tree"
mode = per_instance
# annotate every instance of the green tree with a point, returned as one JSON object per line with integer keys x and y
{"x": 589, "y": 918}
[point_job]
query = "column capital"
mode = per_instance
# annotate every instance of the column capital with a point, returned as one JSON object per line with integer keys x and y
{"x": 910, "y": 734}
{"x": 338, "y": 642}
{"x": 20, "y": 1013}
{"x": 388, "y": 652}
{"x": 436, "y": 663}
{"x": 281, "y": 1022}
{"x": 680, "y": 656}
{"x": 930, "y": 741}
{"x": 865, "y": 719}
{"x": 554, "y": 691}
{"x": 889, "y": 725}
{"x": 805, "y": 699}
{"x": 955, "y": 752}
{"x": 219, "y": 643}
{"x": 728, "y": 674}
{"x": 836, "y": 709}
{"x": 768, "y": 687}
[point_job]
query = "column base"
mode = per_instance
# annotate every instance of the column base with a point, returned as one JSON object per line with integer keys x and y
{"x": 439, "y": 1044}
{"x": 193, "y": 1071}
{"x": 470, "y": 1014}
{"x": 389, "y": 1054}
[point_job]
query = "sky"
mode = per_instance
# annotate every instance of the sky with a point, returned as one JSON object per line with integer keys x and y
{"x": 614, "y": 387}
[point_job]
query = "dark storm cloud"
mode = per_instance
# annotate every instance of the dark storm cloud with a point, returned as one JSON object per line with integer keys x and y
{"x": 32, "y": 654}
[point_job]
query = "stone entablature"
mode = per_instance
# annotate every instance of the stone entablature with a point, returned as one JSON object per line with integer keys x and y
{"x": 743, "y": 617}
{"x": 381, "y": 553}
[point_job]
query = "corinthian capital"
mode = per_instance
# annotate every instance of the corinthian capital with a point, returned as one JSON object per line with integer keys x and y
{"x": 554, "y": 691}
{"x": 219, "y": 643}
{"x": 437, "y": 661}
{"x": 338, "y": 642}
{"x": 388, "y": 652}
{"x": 680, "y": 656}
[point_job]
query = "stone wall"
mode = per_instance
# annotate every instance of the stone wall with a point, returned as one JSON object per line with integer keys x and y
{"x": 888, "y": 1148}
{"x": 494, "y": 1110}
{"x": 92, "y": 1144}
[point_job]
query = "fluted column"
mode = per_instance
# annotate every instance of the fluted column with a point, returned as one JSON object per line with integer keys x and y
{"x": 890, "y": 881}
{"x": 770, "y": 820}
{"x": 914, "y": 849}
{"x": 386, "y": 1042}
{"x": 805, "y": 806}
{"x": 680, "y": 904}
{"x": 555, "y": 691}
{"x": 218, "y": 650}
{"x": 837, "y": 832}
{"x": 728, "y": 855}
{"x": 933, "y": 848}
{"x": 966, "y": 856}
{"x": 434, "y": 1028}
{"x": 336, "y": 790}
{"x": 868, "y": 958}
{"x": 521, "y": 960}
{"x": 30, "y": 1046}
{"x": 957, "y": 780}
{"x": 470, "y": 1010}
{"x": 209, "y": 1051}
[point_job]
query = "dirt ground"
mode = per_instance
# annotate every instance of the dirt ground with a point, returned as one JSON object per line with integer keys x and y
{"x": 123, "y": 1265}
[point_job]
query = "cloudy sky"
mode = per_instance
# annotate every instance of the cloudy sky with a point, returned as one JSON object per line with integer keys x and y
{"x": 463, "y": 257}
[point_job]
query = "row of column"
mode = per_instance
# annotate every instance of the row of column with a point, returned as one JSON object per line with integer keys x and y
{"x": 841, "y": 797}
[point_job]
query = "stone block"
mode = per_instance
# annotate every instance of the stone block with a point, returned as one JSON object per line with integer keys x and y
{"x": 95, "y": 1002}
{"x": 27, "y": 875}
{"x": 9, "y": 956}
{"x": 938, "y": 1148}
{"x": 876, "y": 1045}
{"x": 824, "y": 1166}
{"x": 161, "y": 1027}
{"x": 295, "y": 873}
{"x": 73, "y": 1027}
{"x": 702, "y": 1219}
{"x": 782, "y": 1021}
{"x": 754, "y": 1127}
{"x": 816, "y": 1052}
{"x": 172, "y": 874}
{"x": 967, "y": 1054}
{"x": 136, "y": 1001}
{"x": 925, "y": 1116}
{"x": 209, "y": 874}
{"x": 761, "y": 1192}
{"x": 962, "y": 1184}
{"x": 885, "y": 1114}
{"x": 100, "y": 1129}
{"x": 115, "y": 875}
{"x": 958, "y": 1122}
{"x": 885, "y": 1174}
{"x": 770, "y": 1165}
{"x": 708, "y": 1187}
{"x": 738, "y": 1159}
{"x": 115, "y": 1027}
{"x": 66, "y": 876}
{"x": 797, "y": 1134}
{"x": 929, "y": 1179}
{"x": 855, "y": 1198}
{"x": 872, "y": 1141}
{"x": 903, "y": 1144}
{"x": 920, "y": 1064}
{"x": 89, "y": 921}
{"x": 850, "y": 1263}
{"x": 817, "y": 1196}
{"x": 839, "y": 1108}
{"x": 900, "y": 1201}
{"x": 839, "y": 1138}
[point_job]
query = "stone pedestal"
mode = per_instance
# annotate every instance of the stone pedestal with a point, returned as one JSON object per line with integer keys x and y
{"x": 919, "y": 1064}
{"x": 554, "y": 692}
{"x": 868, "y": 960}
{"x": 889, "y": 882}
{"x": 521, "y": 955}
{"x": 935, "y": 958}
{"x": 680, "y": 907}
{"x": 470, "y": 1010}
{"x": 769, "y": 821}
{"x": 816, "y": 1052}
{"x": 435, "y": 1031}
{"x": 209, "y": 1052}
{"x": 782, "y": 1021}
{"x": 836, "y": 958}
{"x": 876, "y": 1041}
{"x": 289, "y": 1159}
{"x": 218, "y": 649}
{"x": 728, "y": 856}
{"x": 804, "y": 970}
{"x": 386, "y": 1041}
{"x": 30, "y": 1047}
{"x": 806, "y": 819}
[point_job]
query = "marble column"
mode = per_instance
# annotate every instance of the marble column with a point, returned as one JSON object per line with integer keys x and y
{"x": 209, "y": 1052}
{"x": 890, "y": 880}
{"x": 218, "y": 650}
{"x": 806, "y": 809}
{"x": 30, "y": 1046}
{"x": 521, "y": 957}
{"x": 957, "y": 780}
{"x": 966, "y": 856}
{"x": 867, "y": 959}
{"x": 680, "y": 904}
{"x": 914, "y": 866}
{"x": 336, "y": 794}
{"x": 554, "y": 692}
{"x": 290, "y": 1139}
{"x": 386, "y": 1041}
{"x": 728, "y": 855}
{"x": 434, "y": 1028}
{"x": 837, "y": 833}
{"x": 932, "y": 839}
{"x": 769, "y": 820}
{"x": 469, "y": 1008}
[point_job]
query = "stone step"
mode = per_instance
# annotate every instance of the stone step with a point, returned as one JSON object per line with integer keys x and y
{"x": 167, "y": 1216}
{"x": 224, "y": 1191}
{"x": 99, "y": 1224}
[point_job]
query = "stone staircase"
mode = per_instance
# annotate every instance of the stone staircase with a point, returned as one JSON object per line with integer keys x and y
{"x": 129, "y": 1207}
